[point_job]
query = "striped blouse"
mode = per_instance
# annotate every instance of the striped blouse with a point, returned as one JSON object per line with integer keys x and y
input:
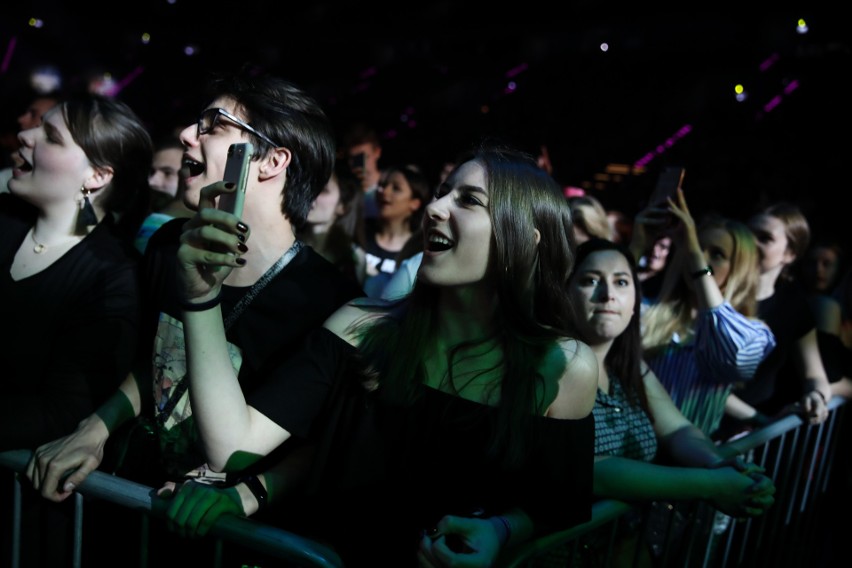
{"x": 699, "y": 374}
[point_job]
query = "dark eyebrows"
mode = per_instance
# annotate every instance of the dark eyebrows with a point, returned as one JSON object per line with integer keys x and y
{"x": 445, "y": 188}
{"x": 473, "y": 189}
{"x": 600, "y": 274}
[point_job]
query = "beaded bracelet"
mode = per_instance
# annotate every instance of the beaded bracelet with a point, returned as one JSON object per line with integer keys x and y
{"x": 188, "y": 306}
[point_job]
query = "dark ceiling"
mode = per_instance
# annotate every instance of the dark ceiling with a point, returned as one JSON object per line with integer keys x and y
{"x": 434, "y": 77}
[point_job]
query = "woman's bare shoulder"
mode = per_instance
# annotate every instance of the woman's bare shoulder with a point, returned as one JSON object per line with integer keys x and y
{"x": 577, "y": 381}
{"x": 347, "y": 318}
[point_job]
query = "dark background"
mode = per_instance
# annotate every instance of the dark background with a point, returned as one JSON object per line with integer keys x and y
{"x": 433, "y": 78}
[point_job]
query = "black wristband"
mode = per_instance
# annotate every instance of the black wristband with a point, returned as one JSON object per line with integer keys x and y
{"x": 257, "y": 489}
{"x": 188, "y": 306}
{"x": 706, "y": 271}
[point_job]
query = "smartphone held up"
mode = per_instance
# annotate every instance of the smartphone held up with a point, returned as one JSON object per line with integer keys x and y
{"x": 668, "y": 183}
{"x": 236, "y": 172}
{"x": 670, "y": 180}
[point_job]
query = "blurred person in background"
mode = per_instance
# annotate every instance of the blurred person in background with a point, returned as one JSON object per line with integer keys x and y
{"x": 166, "y": 190}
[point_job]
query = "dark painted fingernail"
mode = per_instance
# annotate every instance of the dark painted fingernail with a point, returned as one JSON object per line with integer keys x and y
{"x": 242, "y": 248}
{"x": 242, "y": 227}
{"x": 230, "y": 185}
{"x": 241, "y": 261}
{"x": 241, "y": 237}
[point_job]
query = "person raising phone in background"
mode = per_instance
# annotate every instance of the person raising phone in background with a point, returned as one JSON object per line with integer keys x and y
{"x": 651, "y": 239}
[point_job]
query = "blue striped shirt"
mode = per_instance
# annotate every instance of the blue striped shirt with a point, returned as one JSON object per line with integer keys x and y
{"x": 699, "y": 374}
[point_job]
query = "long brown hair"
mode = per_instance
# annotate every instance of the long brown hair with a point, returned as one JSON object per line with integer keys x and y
{"x": 529, "y": 280}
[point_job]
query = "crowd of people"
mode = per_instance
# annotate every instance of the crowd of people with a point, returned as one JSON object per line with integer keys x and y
{"x": 482, "y": 348}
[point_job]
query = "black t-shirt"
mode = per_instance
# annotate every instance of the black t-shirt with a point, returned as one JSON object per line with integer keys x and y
{"x": 778, "y": 381}
{"x": 71, "y": 330}
{"x": 270, "y": 329}
{"x": 836, "y": 357}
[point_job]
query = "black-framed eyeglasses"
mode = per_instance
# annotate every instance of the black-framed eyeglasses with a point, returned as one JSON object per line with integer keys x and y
{"x": 208, "y": 119}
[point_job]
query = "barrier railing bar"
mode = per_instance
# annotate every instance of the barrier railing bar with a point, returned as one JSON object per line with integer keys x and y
{"x": 801, "y": 458}
{"x": 245, "y": 532}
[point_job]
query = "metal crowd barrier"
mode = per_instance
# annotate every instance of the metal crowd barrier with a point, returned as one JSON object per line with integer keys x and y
{"x": 247, "y": 533}
{"x": 798, "y": 457}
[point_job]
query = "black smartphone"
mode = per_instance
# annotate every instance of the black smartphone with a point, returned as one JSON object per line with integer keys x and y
{"x": 670, "y": 180}
{"x": 236, "y": 171}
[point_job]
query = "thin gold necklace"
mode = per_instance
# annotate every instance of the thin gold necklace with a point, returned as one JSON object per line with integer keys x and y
{"x": 39, "y": 247}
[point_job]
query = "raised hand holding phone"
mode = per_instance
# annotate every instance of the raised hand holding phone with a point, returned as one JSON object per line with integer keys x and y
{"x": 236, "y": 172}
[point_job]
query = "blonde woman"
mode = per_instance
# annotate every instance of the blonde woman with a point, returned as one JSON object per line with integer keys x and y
{"x": 793, "y": 378}
{"x": 589, "y": 218}
{"x": 701, "y": 336}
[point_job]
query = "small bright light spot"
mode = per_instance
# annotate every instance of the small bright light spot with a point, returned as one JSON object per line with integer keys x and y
{"x": 741, "y": 97}
{"x": 801, "y": 26}
{"x": 36, "y": 23}
{"x": 739, "y": 89}
{"x": 189, "y": 50}
{"x": 102, "y": 84}
{"x": 604, "y": 47}
{"x": 172, "y": 1}
{"x": 146, "y": 38}
{"x": 45, "y": 79}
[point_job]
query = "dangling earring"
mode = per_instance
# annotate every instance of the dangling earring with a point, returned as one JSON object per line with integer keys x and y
{"x": 86, "y": 217}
